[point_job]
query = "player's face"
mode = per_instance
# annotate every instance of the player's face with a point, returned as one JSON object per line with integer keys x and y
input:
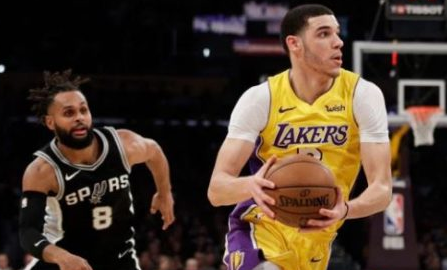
{"x": 70, "y": 119}
{"x": 322, "y": 45}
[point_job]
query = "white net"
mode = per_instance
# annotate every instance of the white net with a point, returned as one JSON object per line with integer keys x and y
{"x": 423, "y": 120}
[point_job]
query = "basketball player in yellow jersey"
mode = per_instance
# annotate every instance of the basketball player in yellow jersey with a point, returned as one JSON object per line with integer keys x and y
{"x": 314, "y": 108}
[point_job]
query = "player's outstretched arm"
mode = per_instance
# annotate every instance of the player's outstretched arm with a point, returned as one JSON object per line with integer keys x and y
{"x": 39, "y": 179}
{"x": 227, "y": 188}
{"x": 144, "y": 150}
{"x": 376, "y": 161}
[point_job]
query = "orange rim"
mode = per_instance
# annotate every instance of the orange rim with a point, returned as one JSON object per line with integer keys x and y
{"x": 423, "y": 113}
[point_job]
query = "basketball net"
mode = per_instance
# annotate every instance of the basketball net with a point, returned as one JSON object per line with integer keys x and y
{"x": 423, "y": 120}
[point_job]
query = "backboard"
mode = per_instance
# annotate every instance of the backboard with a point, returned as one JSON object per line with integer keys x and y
{"x": 402, "y": 86}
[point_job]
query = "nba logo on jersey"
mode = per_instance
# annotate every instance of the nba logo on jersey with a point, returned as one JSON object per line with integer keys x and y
{"x": 394, "y": 216}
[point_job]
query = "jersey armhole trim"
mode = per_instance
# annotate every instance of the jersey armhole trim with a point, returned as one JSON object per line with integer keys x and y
{"x": 260, "y": 140}
{"x": 352, "y": 98}
{"x": 269, "y": 114}
{"x": 120, "y": 148}
{"x": 57, "y": 171}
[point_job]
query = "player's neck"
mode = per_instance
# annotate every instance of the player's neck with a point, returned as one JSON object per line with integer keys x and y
{"x": 86, "y": 156}
{"x": 309, "y": 86}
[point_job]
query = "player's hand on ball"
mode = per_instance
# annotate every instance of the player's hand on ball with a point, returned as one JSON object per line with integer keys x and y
{"x": 165, "y": 204}
{"x": 303, "y": 186}
{"x": 256, "y": 184}
{"x": 332, "y": 215}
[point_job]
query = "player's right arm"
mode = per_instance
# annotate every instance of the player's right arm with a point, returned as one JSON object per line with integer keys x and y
{"x": 39, "y": 180}
{"x": 227, "y": 187}
{"x": 248, "y": 118}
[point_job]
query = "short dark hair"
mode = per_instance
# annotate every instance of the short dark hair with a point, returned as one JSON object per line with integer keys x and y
{"x": 55, "y": 83}
{"x": 296, "y": 20}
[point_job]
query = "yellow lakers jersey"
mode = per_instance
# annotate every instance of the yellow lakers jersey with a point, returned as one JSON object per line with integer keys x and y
{"x": 325, "y": 129}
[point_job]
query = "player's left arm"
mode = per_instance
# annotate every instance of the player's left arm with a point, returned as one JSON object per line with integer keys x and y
{"x": 371, "y": 117}
{"x": 144, "y": 150}
{"x": 376, "y": 161}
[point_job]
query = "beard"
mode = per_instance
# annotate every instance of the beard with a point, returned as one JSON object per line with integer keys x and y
{"x": 66, "y": 138}
{"x": 316, "y": 63}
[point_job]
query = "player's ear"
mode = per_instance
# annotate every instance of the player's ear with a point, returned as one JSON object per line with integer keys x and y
{"x": 293, "y": 43}
{"x": 49, "y": 121}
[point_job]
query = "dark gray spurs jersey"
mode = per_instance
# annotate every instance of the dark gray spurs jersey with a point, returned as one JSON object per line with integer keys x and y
{"x": 92, "y": 214}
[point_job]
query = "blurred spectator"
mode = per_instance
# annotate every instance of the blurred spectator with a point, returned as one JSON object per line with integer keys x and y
{"x": 432, "y": 262}
{"x": 146, "y": 262}
{"x": 175, "y": 239}
{"x": 429, "y": 250}
{"x": 177, "y": 261}
{"x": 154, "y": 250}
{"x": 191, "y": 264}
{"x": 203, "y": 261}
{"x": 166, "y": 263}
{"x": 4, "y": 262}
{"x": 27, "y": 258}
{"x": 210, "y": 260}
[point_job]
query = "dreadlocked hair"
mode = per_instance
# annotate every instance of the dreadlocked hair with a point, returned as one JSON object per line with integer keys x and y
{"x": 54, "y": 83}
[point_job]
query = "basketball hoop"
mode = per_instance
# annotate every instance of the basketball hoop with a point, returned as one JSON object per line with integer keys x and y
{"x": 423, "y": 120}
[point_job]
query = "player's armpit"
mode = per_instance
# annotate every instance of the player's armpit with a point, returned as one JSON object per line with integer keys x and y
{"x": 31, "y": 222}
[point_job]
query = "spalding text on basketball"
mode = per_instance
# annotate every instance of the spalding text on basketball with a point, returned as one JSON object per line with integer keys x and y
{"x": 289, "y": 135}
{"x": 285, "y": 201}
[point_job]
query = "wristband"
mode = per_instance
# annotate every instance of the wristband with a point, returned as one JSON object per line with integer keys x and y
{"x": 31, "y": 222}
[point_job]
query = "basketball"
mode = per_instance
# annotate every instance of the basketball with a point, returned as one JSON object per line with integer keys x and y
{"x": 303, "y": 186}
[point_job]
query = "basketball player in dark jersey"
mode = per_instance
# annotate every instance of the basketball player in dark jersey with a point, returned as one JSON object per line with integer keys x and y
{"x": 77, "y": 210}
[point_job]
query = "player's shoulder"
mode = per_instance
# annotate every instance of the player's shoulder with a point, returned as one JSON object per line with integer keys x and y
{"x": 39, "y": 174}
{"x": 39, "y": 166}
{"x": 258, "y": 92}
{"x": 136, "y": 147}
{"x": 131, "y": 139}
{"x": 125, "y": 133}
{"x": 259, "y": 88}
{"x": 128, "y": 136}
{"x": 366, "y": 87}
{"x": 367, "y": 83}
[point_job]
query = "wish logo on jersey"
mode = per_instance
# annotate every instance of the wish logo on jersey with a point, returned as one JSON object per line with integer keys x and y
{"x": 99, "y": 190}
{"x": 289, "y": 135}
{"x": 335, "y": 108}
